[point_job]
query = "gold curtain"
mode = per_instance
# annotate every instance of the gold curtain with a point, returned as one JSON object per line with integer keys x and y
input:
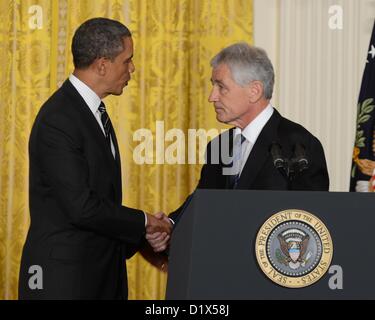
{"x": 174, "y": 41}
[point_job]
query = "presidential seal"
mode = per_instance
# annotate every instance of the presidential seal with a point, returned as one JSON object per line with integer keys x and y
{"x": 294, "y": 248}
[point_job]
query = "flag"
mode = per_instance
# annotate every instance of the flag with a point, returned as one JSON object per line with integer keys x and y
{"x": 363, "y": 166}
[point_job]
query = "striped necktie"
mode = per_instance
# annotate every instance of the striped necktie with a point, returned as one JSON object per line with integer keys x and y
{"x": 107, "y": 125}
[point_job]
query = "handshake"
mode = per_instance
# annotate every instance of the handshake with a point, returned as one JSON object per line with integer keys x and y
{"x": 158, "y": 231}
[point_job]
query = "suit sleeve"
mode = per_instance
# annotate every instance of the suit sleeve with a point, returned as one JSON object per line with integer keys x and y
{"x": 316, "y": 177}
{"x": 65, "y": 171}
{"x": 202, "y": 184}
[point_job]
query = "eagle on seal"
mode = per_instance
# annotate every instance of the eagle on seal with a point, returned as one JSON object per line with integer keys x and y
{"x": 293, "y": 244}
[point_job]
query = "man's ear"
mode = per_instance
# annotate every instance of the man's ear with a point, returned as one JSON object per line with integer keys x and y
{"x": 100, "y": 66}
{"x": 256, "y": 91}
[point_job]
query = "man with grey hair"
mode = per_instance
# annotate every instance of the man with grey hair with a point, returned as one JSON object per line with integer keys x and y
{"x": 80, "y": 234}
{"x": 268, "y": 152}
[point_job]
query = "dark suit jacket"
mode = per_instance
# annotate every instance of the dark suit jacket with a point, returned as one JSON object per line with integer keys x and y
{"x": 80, "y": 234}
{"x": 259, "y": 172}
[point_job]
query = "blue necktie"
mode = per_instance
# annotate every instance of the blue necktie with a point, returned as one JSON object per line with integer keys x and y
{"x": 237, "y": 154}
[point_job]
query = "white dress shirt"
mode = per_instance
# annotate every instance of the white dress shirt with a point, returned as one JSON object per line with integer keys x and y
{"x": 93, "y": 102}
{"x": 251, "y": 133}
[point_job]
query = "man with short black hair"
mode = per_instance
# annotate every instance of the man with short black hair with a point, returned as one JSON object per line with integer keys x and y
{"x": 80, "y": 234}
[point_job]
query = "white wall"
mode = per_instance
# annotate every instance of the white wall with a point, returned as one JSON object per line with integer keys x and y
{"x": 318, "y": 70}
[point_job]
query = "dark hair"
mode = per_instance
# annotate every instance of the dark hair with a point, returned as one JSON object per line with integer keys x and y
{"x": 97, "y": 38}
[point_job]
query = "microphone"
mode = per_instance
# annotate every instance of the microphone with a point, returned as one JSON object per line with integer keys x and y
{"x": 278, "y": 160}
{"x": 300, "y": 160}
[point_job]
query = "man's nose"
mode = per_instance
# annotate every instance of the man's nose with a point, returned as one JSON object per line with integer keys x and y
{"x": 131, "y": 67}
{"x": 213, "y": 95}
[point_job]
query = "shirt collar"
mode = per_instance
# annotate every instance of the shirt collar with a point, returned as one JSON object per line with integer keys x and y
{"x": 254, "y": 128}
{"x": 89, "y": 96}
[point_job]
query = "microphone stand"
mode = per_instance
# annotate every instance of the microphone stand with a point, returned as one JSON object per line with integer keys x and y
{"x": 289, "y": 168}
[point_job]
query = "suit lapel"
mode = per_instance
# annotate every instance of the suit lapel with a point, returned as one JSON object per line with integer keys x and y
{"x": 118, "y": 163}
{"x": 117, "y": 151}
{"x": 260, "y": 152}
{"x": 92, "y": 125}
{"x": 91, "y": 121}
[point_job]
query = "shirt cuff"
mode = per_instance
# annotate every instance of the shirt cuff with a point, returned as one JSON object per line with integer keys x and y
{"x": 145, "y": 219}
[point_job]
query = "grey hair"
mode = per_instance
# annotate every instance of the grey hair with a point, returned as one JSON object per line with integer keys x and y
{"x": 97, "y": 38}
{"x": 247, "y": 63}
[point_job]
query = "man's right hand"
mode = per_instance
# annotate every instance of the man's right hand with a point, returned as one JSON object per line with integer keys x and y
{"x": 157, "y": 224}
{"x": 158, "y": 229}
